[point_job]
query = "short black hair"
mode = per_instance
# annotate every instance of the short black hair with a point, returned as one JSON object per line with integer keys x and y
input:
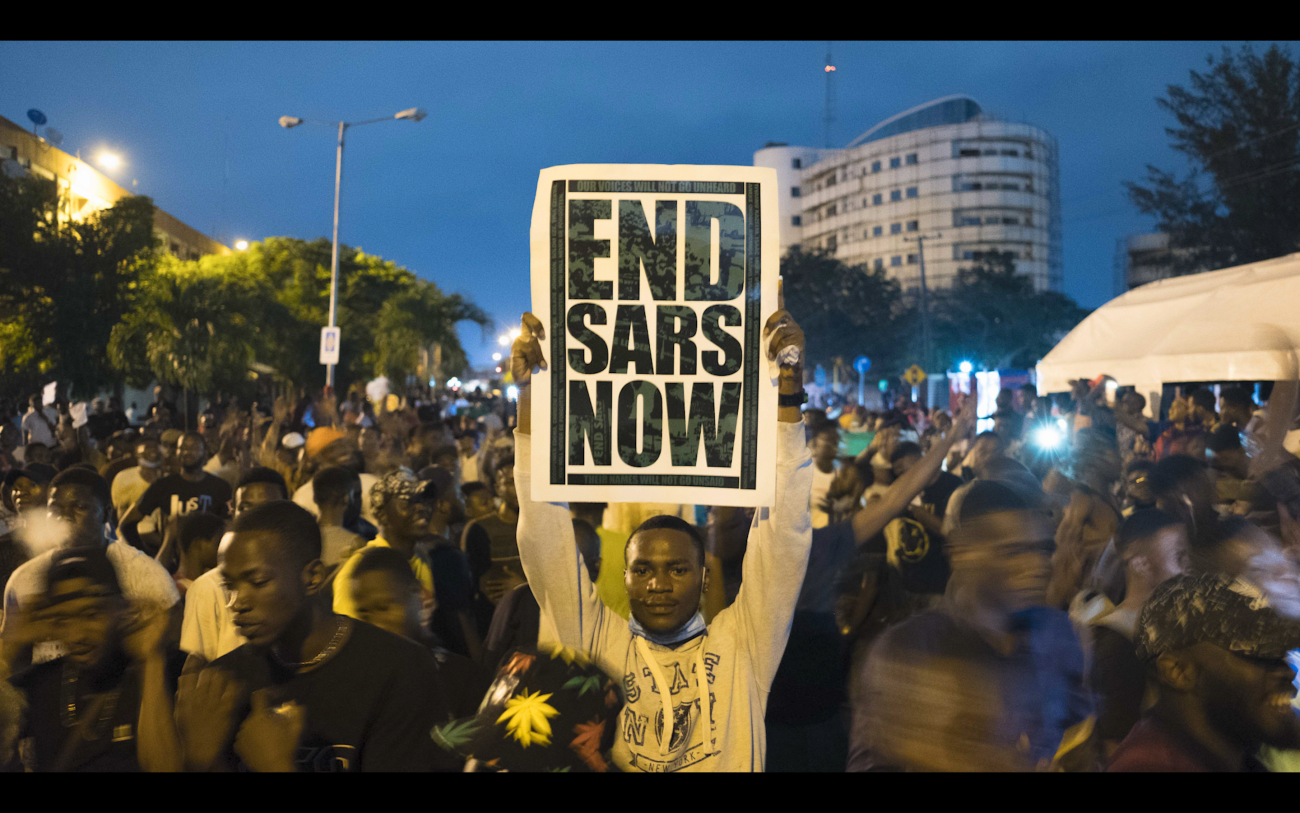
{"x": 331, "y": 485}
{"x": 989, "y": 497}
{"x": 506, "y": 462}
{"x": 828, "y": 428}
{"x": 289, "y": 522}
{"x": 989, "y": 434}
{"x": 377, "y": 559}
{"x": 192, "y": 434}
{"x": 1172, "y": 471}
{"x": 905, "y": 449}
{"x": 1237, "y": 396}
{"x": 198, "y": 525}
{"x": 1143, "y": 525}
{"x": 1224, "y": 438}
{"x": 473, "y": 488}
{"x": 667, "y": 522}
{"x": 1203, "y": 398}
{"x": 264, "y": 474}
{"x": 91, "y": 480}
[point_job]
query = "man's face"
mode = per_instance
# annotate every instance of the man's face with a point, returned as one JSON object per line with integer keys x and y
{"x": 465, "y": 444}
{"x": 368, "y": 440}
{"x": 1010, "y": 565}
{"x": 38, "y": 453}
{"x": 664, "y": 579}
{"x": 1166, "y": 554}
{"x": 267, "y": 592}
{"x": 1234, "y": 414}
{"x": 505, "y": 483}
{"x": 407, "y": 518}
{"x": 77, "y": 505}
{"x": 1248, "y": 698}
{"x": 902, "y": 464}
{"x": 1138, "y": 487}
{"x": 380, "y": 601}
{"x": 255, "y": 494}
{"x": 824, "y": 447}
{"x": 87, "y": 627}
{"x": 28, "y": 494}
{"x": 986, "y": 448}
{"x": 150, "y": 453}
{"x": 479, "y": 504}
{"x": 189, "y": 452}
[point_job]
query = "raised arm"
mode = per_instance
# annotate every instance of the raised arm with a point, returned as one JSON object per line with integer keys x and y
{"x": 872, "y": 520}
{"x": 547, "y": 547}
{"x": 776, "y": 555}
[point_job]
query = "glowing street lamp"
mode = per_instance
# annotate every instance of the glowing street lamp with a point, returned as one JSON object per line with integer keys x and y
{"x": 241, "y": 245}
{"x": 503, "y": 340}
{"x": 496, "y": 356}
{"x": 109, "y": 161}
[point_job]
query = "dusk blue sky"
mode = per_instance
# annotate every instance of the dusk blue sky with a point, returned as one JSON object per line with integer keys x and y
{"x": 450, "y": 197}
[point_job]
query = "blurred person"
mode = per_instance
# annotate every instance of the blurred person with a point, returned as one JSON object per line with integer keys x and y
{"x": 490, "y": 542}
{"x": 105, "y": 706}
{"x": 120, "y": 453}
{"x": 197, "y": 537}
{"x": 1132, "y": 429}
{"x": 825, "y": 445}
{"x": 40, "y": 423}
{"x": 80, "y": 505}
{"x": 1007, "y": 423}
{"x": 453, "y": 623}
{"x": 726, "y": 665}
{"x": 404, "y": 505}
{"x": 190, "y": 490}
{"x": 343, "y": 454}
{"x": 208, "y": 628}
{"x": 548, "y": 710}
{"x": 1182, "y": 429}
{"x": 22, "y": 491}
{"x": 130, "y": 484}
{"x": 466, "y": 449}
{"x": 387, "y": 595}
{"x": 989, "y": 680}
{"x": 802, "y": 719}
{"x": 517, "y": 620}
{"x": 1216, "y": 654}
{"x": 1153, "y": 546}
{"x": 1236, "y": 407}
{"x": 1202, "y": 402}
{"x": 1091, "y": 518}
{"x": 1182, "y": 487}
{"x": 37, "y": 453}
{"x": 225, "y": 463}
{"x": 609, "y": 583}
{"x": 353, "y": 697}
{"x": 169, "y": 438}
{"x": 337, "y": 493}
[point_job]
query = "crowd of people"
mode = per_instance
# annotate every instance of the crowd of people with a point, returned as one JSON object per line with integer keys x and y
{"x": 340, "y": 584}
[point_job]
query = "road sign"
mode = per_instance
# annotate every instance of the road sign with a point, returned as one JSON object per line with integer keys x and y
{"x": 329, "y": 345}
{"x": 862, "y": 364}
{"x": 914, "y": 375}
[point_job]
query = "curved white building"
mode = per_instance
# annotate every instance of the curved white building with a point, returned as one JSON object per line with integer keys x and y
{"x": 943, "y": 168}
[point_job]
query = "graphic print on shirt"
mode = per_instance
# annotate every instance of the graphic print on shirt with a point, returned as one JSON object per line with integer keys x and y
{"x": 328, "y": 759}
{"x": 686, "y": 744}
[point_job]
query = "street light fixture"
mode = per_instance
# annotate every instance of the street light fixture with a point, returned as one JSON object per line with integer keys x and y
{"x": 241, "y": 245}
{"x": 109, "y": 161}
{"x": 288, "y": 123}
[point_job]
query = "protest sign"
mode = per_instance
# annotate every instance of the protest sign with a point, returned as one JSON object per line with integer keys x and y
{"x": 653, "y": 283}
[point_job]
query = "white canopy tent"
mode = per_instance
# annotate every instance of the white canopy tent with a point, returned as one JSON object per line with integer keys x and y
{"x": 1237, "y": 324}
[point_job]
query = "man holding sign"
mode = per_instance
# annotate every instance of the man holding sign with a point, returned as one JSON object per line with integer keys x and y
{"x": 696, "y": 695}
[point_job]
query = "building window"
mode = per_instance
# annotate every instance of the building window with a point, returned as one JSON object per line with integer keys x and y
{"x": 875, "y": 166}
{"x": 990, "y": 152}
{"x": 796, "y": 221}
{"x": 832, "y": 243}
{"x": 877, "y": 199}
{"x": 968, "y": 221}
{"x": 830, "y": 179}
{"x": 912, "y": 191}
{"x": 911, "y": 159}
{"x": 968, "y": 153}
{"x": 830, "y": 210}
{"x": 880, "y": 264}
{"x": 913, "y": 225}
{"x": 896, "y": 260}
{"x": 794, "y": 191}
{"x": 895, "y": 163}
{"x": 911, "y": 259}
{"x": 895, "y": 228}
{"x": 176, "y": 249}
{"x": 796, "y": 163}
{"x": 897, "y": 194}
{"x": 876, "y": 231}
{"x": 1012, "y": 153}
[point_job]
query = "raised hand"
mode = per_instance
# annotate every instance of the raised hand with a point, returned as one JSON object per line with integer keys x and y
{"x": 146, "y": 632}
{"x": 526, "y": 354}
{"x": 268, "y": 738}
{"x": 206, "y": 703}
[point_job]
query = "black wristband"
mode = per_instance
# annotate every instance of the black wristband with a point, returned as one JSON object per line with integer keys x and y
{"x": 794, "y": 399}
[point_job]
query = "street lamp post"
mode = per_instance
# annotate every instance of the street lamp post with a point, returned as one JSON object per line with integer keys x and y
{"x": 925, "y": 309}
{"x": 289, "y": 122}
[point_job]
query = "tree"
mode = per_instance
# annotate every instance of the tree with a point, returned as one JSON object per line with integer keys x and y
{"x": 65, "y": 284}
{"x": 1239, "y": 126}
{"x": 197, "y": 325}
{"x": 993, "y": 316}
{"x": 415, "y": 318}
{"x": 845, "y": 310}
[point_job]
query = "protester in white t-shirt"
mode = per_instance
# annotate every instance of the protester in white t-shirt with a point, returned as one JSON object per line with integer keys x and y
{"x": 824, "y": 446}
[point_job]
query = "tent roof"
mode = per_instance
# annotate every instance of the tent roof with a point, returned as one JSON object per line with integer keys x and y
{"x": 1227, "y": 325}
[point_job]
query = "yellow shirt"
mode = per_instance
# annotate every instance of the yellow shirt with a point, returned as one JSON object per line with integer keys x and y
{"x": 343, "y": 604}
{"x": 609, "y": 584}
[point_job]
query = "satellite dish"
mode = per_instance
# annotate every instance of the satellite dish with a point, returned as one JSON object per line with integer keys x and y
{"x": 53, "y": 136}
{"x": 37, "y": 117}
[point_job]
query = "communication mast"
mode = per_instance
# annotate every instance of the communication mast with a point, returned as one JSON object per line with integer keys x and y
{"x": 830, "y": 97}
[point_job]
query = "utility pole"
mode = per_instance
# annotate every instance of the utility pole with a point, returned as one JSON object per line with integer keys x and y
{"x": 925, "y": 305}
{"x": 830, "y": 98}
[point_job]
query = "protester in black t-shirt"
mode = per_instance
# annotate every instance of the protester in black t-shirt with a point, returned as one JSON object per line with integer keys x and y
{"x": 363, "y": 698}
{"x": 193, "y": 489}
{"x": 106, "y": 705}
